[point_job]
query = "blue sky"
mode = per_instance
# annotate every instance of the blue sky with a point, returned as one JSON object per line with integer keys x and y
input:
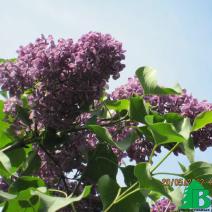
{"x": 175, "y": 37}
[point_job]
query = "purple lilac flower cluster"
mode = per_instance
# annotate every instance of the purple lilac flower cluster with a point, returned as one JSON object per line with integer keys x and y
{"x": 65, "y": 77}
{"x": 11, "y": 104}
{"x": 163, "y": 205}
{"x": 184, "y": 104}
{"x": 187, "y": 106}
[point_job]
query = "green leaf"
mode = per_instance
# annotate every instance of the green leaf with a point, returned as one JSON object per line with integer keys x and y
{"x": 183, "y": 168}
{"x": 24, "y": 99}
{"x": 145, "y": 131}
{"x": 157, "y": 116}
{"x": 154, "y": 195}
{"x": 127, "y": 141}
{"x": 102, "y": 134}
{"x": 31, "y": 164}
{"x": 7, "y": 60}
{"x": 25, "y": 182}
{"x": 23, "y": 202}
{"x": 52, "y": 204}
{"x": 138, "y": 109}
{"x": 118, "y": 105}
{"x": 5, "y": 138}
{"x": 188, "y": 149}
{"x": 16, "y": 157}
{"x": 142, "y": 172}
{"x": 184, "y": 128}
{"x": 2, "y": 115}
{"x": 105, "y": 137}
{"x": 108, "y": 189}
{"x": 5, "y": 165}
{"x": 129, "y": 177}
{"x": 164, "y": 133}
{"x": 147, "y": 78}
{"x": 202, "y": 120}
{"x": 149, "y": 119}
{"x": 200, "y": 171}
{"x": 11, "y": 161}
{"x": 173, "y": 117}
{"x": 6, "y": 196}
{"x": 101, "y": 161}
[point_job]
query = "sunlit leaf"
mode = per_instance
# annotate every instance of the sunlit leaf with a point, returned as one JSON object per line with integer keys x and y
{"x": 25, "y": 182}
{"x": 118, "y": 105}
{"x": 202, "y": 120}
{"x": 164, "y": 133}
{"x": 138, "y": 109}
{"x": 52, "y": 203}
{"x": 147, "y": 78}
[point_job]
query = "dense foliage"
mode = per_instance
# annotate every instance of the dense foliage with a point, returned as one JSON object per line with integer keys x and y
{"x": 63, "y": 137}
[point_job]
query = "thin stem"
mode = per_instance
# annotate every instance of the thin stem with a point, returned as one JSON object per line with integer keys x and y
{"x": 167, "y": 207}
{"x": 17, "y": 146}
{"x": 102, "y": 125}
{"x": 73, "y": 208}
{"x": 152, "y": 153}
{"x": 108, "y": 110}
{"x": 131, "y": 187}
{"x": 118, "y": 193}
{"x": 127, "y": 195}
{"x": 111, "y": 205}
{"x": 167, "y": 173}
{"x": 120, "y": 198}
{"x": 77, "y": 186}
{"x": 63, "y": 178}
{"x": 55, "y": 190}
{"x": 163, "y": 159}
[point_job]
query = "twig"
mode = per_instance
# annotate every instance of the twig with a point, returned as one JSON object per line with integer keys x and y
{"x": 102, "y": 125}
{"x": 17, "y": 145}
{"x": 63, "y": 177}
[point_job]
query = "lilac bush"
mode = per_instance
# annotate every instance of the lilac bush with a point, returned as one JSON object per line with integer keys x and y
{"x": 58, "y": 133}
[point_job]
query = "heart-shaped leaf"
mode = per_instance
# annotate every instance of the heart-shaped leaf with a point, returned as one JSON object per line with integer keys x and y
{"x": 202, "y": 120}
{"x": 146, "y": 76}
{"x": 164, "y": 133}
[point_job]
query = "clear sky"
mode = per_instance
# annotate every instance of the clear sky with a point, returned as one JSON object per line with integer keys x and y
{"x": 175, "y": 37}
